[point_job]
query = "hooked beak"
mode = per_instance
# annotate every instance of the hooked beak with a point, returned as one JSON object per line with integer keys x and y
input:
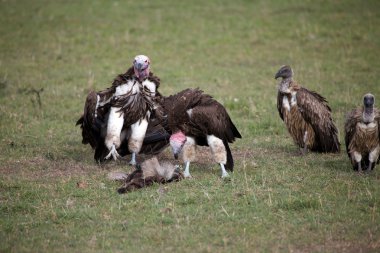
{"x": 176, "y": 156}
{"x": 277, "y": 75}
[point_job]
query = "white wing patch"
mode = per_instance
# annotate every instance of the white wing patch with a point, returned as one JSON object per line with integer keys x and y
{"x": 189, "y": 112}
{"x": 285, "y": 103}
{"x": 293, "y": 101}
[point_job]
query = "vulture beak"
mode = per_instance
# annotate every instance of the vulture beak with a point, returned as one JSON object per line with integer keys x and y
{"x": 277, "y": 75}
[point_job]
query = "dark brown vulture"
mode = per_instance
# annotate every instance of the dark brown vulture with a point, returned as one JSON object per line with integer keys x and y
{"x": 118, "y": 119}
{"x": 362, "y": 135}
{"x": 195, "y": 118}
{"x": 306, "y": 114}
{"x": 149, "y": 172}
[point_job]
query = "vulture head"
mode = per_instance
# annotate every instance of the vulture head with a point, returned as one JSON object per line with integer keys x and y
{"x": 284, "y": 72}
{"x": 368, "y": 101}
{"x": 141, "y": 67}
{"x": 177, "y": 140}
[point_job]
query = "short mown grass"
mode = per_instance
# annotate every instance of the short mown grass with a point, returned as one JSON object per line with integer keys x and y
{"x": 55, "y": 198}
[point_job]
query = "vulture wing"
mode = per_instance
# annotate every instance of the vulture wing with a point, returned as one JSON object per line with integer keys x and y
{"x": 317, "y": 113}
{"x": 279, "y": 104}
{"x": 352, "y": 118}
{"x": 377, "y": 118}
{"x": 211, "y": 118}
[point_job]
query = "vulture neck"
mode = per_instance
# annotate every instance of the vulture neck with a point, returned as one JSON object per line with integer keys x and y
{"x": 368, "y": 115}
{"x": 284, "y": 86}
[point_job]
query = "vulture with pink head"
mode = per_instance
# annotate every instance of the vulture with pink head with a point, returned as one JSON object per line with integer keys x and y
{"x": 120, "y": 120}
{"x": 195, "y": 118}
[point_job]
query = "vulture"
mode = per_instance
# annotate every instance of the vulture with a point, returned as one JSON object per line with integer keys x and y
{"x": 120, "y": 120}
{"x": 195, "y": 118}
{"x": 362, "y": 135}
{"x": 149, "y": 172}
{"x": 306, "y": 114}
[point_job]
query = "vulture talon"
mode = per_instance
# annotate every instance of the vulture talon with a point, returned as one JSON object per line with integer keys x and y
{"x": 115, "y": 155}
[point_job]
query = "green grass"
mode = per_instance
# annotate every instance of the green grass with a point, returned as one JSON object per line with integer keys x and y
{"x": 276, "y": 201}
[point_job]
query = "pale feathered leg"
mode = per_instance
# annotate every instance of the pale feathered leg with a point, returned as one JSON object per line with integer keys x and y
{"x": 360, "y": 167}
{"x": 186, "y": 174}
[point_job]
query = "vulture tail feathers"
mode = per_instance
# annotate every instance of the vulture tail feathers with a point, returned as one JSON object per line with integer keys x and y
{"x": 230, "y": 160}
{"x": 234, "y": 130}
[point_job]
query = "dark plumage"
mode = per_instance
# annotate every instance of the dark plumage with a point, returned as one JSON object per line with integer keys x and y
{"x": 195, "y": 118}
{"x": 149, "y": 172}
{"x": 362, "y": 135}
{"x": 306, "y": 114}
{"x": 120, "y": 120}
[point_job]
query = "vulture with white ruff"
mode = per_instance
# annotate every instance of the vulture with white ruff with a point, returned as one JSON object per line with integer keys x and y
{"x": 306, "y": 114}
{"x": 149, "y": 172}
{"x": 117, "y": 121}
{"x": 362, "y": 135}
{"x": 195, "y": 118}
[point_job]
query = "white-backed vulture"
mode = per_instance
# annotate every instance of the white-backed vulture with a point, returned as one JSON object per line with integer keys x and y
{"x": 362, "y": 135}
{"x": 195, "y": 118}
{"x": 306, "y": 115}
{"x": 118, "y": 119}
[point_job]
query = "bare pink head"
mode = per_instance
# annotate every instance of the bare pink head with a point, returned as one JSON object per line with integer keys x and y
{"x": 141, "y": 66}
{"x": 177, "y": 140}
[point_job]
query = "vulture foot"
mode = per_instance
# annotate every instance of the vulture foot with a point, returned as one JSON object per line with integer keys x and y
{"x": 113, "y": 152}
{"x": 224, "y": 172}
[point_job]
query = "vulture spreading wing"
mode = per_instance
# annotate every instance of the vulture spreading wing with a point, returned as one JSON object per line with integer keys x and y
{"x": 195, "y": 118}
{"x": 120, "y": 120}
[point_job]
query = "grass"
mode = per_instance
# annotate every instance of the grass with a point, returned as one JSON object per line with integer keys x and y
{"x": 275, "y": 202}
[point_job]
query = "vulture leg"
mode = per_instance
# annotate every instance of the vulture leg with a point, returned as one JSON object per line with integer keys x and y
{"x": 188, "y": 154}
{"x": 369, "y": 166}
{"x": 304, "y": 149}
{"x": 133, "y": 159}
{"x": 358, "y": 159}
{"x": 360, "y": 167}
{"x": 219, "y": 152}
{"x": 114, "y": 129}
{"x": 373, "y": 156}
{"x": 135, "y": 142}
{"x": 186, "y": 174}
{"x": 224, "y": 172}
